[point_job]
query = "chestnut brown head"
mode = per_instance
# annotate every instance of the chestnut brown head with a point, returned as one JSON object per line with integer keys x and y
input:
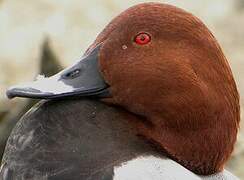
{"x": 164, "y": 64}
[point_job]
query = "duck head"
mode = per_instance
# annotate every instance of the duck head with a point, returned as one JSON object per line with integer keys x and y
{"x": 164, "y": 66}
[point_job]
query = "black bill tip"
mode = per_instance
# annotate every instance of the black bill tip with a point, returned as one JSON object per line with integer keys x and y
{"x": 25, "y": 92}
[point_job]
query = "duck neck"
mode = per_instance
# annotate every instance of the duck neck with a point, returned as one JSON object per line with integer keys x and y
{"x": 203, "y": 149}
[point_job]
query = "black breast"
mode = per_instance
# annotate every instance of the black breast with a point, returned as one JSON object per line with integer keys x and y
{"x": 70, "y": 140}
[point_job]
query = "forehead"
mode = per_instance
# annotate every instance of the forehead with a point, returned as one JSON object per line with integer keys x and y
{"x": 151, "y": 17}
{"x": 149, "y": 13}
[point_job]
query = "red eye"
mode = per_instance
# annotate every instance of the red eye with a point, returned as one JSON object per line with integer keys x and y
{"x": 142, "y": 38}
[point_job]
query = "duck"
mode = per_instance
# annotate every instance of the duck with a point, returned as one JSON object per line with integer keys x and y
{"x": 153, "y": 97}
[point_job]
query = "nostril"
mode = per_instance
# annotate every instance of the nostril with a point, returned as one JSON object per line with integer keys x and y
{"x": 73, "y": 74}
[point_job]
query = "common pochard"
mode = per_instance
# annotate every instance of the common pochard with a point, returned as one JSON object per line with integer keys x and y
{"x": 161, "y": 68}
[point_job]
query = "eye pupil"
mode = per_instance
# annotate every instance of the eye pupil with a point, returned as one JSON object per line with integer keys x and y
{"x": 142, "y": 38}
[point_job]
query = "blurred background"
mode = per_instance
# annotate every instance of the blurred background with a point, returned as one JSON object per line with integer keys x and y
{"x": 42, "y": 36}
